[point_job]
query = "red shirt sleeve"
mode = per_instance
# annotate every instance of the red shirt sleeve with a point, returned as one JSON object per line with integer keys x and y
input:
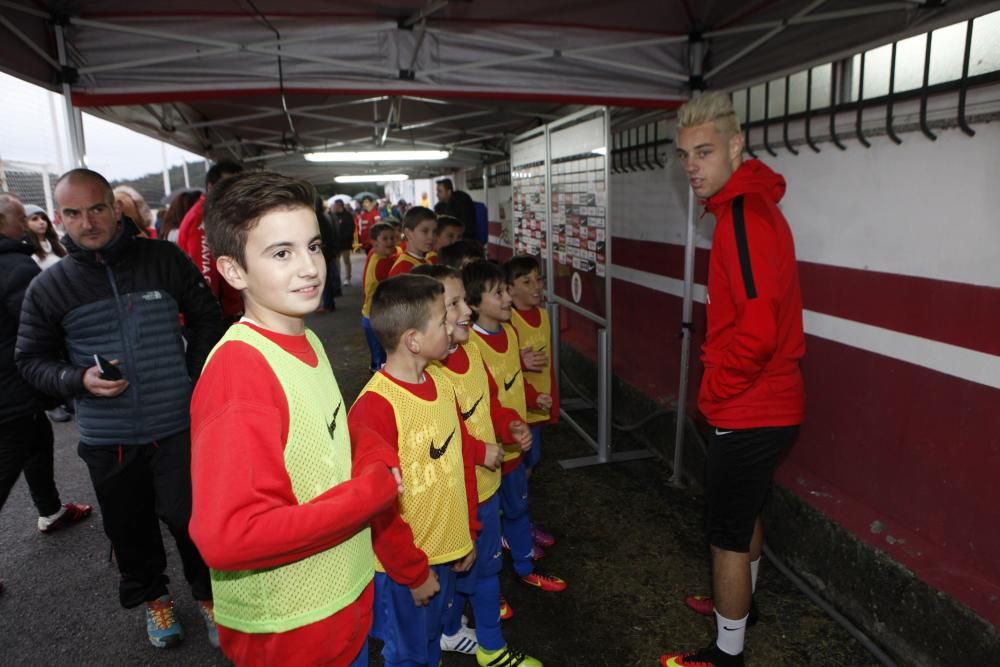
{"x": 755, "y": 336}
{"x": 399, "y": 268}
{"x": 245, "y": 515}
{"x": 383, "y": 267}
{"x": 392, "y": 537}
{"x": 470, "y": 446}
{"x": 502, "y": 417}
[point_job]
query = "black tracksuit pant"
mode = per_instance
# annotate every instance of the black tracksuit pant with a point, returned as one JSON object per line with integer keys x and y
{"x": 137, "y": 487}
{"x": 26, "y": 446}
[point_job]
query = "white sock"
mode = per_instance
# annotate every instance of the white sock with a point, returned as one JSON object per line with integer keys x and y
{"x": 53, "y": 517}
{"x": 731, "y": 634}
{"x": 754, "y": 566}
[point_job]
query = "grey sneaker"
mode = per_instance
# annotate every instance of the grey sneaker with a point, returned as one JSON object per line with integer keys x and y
{"x": 207, "y": 609}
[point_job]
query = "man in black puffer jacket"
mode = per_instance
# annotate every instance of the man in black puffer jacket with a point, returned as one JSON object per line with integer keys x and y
{"x": 120, "y": 297}
{"x": 25, "y": 432}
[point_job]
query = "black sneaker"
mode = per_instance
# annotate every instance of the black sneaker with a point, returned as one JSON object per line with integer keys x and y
{"x": 710, "y": 656}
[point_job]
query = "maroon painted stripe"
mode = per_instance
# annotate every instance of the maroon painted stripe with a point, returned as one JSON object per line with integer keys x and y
{"x": 950, "y": 312}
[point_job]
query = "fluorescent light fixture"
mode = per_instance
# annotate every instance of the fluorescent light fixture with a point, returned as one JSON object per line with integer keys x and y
{"x": 371, "y": 178}
{"x": 375, "y": 156}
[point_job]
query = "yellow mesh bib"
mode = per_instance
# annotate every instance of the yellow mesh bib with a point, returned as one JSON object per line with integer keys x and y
{"x": 537, "y": 338}
{"x": 369, "y": 283}
{"x": 317, "y": 458}
{"x": 473, "y": 391}
{"x": 430, "y": 456}
{"x": 506, "y": 369}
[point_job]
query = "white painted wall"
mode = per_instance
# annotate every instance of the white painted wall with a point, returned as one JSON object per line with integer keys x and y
{"x": 923, "y": 208}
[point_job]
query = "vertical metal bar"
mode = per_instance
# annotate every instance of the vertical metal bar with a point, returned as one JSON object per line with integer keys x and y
{"x": 767, "y": 113}
{"x": 3, "y": 177}
{"x": 605, "y": 414}
{"x": 187, "y": 177}
{"x": 746, "y": 130}
{"x": 861, "y": 96}
{"x": 809, "y": 97}
{"x": 923, "y": 97}
{"x": 486, "y": 199}
{"x": 686, "y": 324}
{"x": 962, "y": 122}
{"x": 166, "y": 169}
{"x": 835, "y": 69}
{"x": 74, "y": 129}
{"x": 784, "y": 128}
{"x": 888, "y": 105}
{"x": 603, "y": 397}
{"x": 550, "y": 279}
{"x": 56, "y": 134}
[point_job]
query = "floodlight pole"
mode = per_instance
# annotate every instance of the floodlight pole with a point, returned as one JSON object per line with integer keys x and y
{"x": 74, "y": 121}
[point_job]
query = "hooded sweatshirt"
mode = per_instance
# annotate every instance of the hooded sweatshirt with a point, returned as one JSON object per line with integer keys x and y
{"x": 754, "y": 339}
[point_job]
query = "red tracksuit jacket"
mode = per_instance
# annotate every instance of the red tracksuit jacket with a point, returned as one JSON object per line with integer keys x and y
{"x": 754, "y": 339}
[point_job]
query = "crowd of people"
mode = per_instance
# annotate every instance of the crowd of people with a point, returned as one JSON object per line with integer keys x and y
{"x": 306, "y": 525}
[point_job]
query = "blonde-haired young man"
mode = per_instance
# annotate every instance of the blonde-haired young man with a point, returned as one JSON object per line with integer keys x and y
{"x": 751, "y": 392}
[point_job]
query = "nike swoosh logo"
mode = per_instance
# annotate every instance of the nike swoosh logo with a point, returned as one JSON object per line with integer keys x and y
{"x": 438, "y": 453}
{"x": 718, "y": 432}
{"x": 510, "y": 383}
{"x": 333, "y": 424}
{"x": 466, "y": 415}
{"x": 730, "y": 629}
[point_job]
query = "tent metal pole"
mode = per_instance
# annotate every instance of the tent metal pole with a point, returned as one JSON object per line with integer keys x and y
{"x": 676, "y": 479}
{"x": 74, "y": 124}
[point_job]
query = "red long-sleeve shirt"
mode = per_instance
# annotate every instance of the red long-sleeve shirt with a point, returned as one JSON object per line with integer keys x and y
{"x": 373, "y": 416}
{"x": 191, "y": 239}
{"x": 754, "y": 339}
{"x": 245, "y": 514}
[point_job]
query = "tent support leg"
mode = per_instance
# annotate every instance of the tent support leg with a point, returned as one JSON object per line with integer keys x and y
{"x": 676, "y": 479}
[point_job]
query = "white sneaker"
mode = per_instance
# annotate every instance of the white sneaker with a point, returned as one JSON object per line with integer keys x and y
{"x": 347, "y": 282}
{"x": 463, "y": 641}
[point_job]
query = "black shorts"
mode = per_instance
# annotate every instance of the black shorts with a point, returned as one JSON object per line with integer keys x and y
{"x": 740, "y": 466}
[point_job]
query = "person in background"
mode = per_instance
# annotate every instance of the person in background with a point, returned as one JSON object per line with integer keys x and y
{"x": 343, "y": 222}
{"x": 26, "y": 439}
{"x": 331, "y": 288}
{"x": 192, "y": 241}
{"x": 48, "y": 250}
{"x": 170, "y": 229}
{"x": 367, "y": 218}
{"x": 458, "y": 204}
{"x": 134, "y": 206}
{"x": 43, "y": 236}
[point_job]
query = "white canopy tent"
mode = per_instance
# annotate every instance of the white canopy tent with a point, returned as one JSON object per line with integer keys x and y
{"x": 265, "y": 81}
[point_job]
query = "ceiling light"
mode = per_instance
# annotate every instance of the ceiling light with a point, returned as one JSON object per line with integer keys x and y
{"x": 375, "y": 156}
{"x": 371, "y": 178}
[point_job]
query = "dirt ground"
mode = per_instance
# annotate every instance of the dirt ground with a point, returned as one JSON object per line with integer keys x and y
{"x": 629, "y": 546}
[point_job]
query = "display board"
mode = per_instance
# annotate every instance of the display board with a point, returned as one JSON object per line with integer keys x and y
{"x": 579, "y": 210}
{"x": 528, "y": 194}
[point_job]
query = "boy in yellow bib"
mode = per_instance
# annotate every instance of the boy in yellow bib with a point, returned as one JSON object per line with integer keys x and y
{"x": 489, "y": 421}
{"x": 280, "y": 512}
{"x": 487, "y": 294}
{"x": 428, "y": 537}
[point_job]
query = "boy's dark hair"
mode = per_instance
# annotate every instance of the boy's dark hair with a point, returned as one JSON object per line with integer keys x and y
{"x": 220, "y": 170}
{"x": 447, "y": 184}
{"x": 480, "y": 277}
{"x": 235, "y": 206}
{"x": 455, "y": 254}
{"x": 417, "y": 214}
{"x": 396, "y": 224}
{"x": 446, "y": 220}
{"x": 436, "y": 271}
{"x": 401, "y": 303}
{"x": 378, "y": 229}
{"x": 520, "y": 265}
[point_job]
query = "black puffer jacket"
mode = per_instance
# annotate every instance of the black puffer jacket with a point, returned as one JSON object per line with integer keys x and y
{"x": 17, "y": 269}
{"x": 122, "y": 303}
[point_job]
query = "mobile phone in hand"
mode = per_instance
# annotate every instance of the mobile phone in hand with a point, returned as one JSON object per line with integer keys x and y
{"x": 106, "y": 369}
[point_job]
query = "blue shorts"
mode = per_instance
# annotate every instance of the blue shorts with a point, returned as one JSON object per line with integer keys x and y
{"x": 412, "y": 634}
{"x": 534, "y": 455}
{"x": 374, "y": 347}
{"x": 516, "y": 522}
{"x": 489, "y": 557}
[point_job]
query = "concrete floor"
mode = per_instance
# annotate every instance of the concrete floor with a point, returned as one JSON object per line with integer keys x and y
{"x": 630, "y": 548}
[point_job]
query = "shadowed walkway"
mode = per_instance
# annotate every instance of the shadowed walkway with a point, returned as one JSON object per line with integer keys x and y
{"x": 630, "y": 548}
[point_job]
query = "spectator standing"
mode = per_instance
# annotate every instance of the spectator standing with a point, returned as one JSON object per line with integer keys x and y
{"x": 26, "y": 439}
{"x": 343, "y": 222}
{"x": 132, "y": 406}
{"x": 457, "y": 204}
{"x": 43, "y": 236}
{"x": 170, "y": 229}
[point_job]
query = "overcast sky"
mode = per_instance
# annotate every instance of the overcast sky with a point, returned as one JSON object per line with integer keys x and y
{"x": 31, "y": 117}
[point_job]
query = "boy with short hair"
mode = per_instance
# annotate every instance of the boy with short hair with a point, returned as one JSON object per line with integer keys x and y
{"x": 419, "y": 225}
{"x": 460, "y": 253}
{"x": 487, "y": 294}
{"x": 280, "y": 512}
{"x": 531, "y": 322}
{"x": 486, "y": 419}
{"x": 377, "y": 267}
{"x": 449, "y": 229}
{"x": 428, "y": 537}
